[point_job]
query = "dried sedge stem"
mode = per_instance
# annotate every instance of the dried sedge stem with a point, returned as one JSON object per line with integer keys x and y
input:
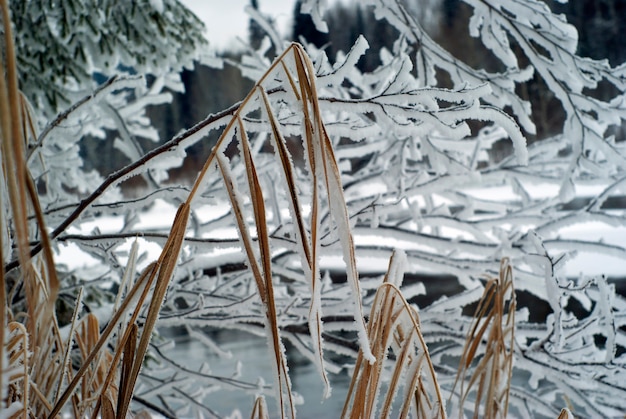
{"x": 17, "y": 348}
{"x": 68, "y": 346}
{"x": 40, "y": 280}
{"x": 308, "y": 256}
{"x": 394, "y": 326}
{"x": 323, "y": 171}
{"x": 493, "y": 329}
{"x": 166, "y": 265}
{"x": 565, "y": 414}
{"x": 126, "y": 379}
{"x": 12, "y": 142}
{"x": 94, "y": 378}
{"x": 142, "y": 284}
{"x": 260, "y": 409}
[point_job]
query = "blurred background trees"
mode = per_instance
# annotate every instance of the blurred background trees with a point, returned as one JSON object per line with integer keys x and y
{"x": 598, "y": 24}
{"x": 425, "y": 125}
{"x": 57, "y": 64}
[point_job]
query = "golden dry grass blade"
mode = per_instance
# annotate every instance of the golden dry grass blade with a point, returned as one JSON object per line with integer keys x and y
{"x": 314, "y": 316}
{"x": 19, "y": 382}
{"x": 12, "y": 141}
{"x": 108, "y": 411}
{"x": 358, "y": 365}
{"x": 401, "y": 359}
{"x": 40, "y": 279}
{"x": 130, "y": 349}
{"x": 292, "y": 82}
{"x": 493, "y": 329}
{"x": 288, "y": 171}
{"x": 52, "y": 285}
{"x": 246, "y": 239}
{"x": 127, "y": 336}
{"x": 68, "y": 346}
{"x": 126, "y": 348}
{"x": 258, "y": 204}
{"x": 87, "y": 339}
{"x": 14, "y": 169}
{"x": 394, "y": 326}
{"x": 263, "y": 277}
{"x": 322, "y": 155}
{"x": 565, "y": 414}
{"x": 39, "y": 397}
{"x": 166, "y": 266}
{"x": 308, "y": 264}
{"x": 18, "y": 357}
{"x": 260, "y": 409}
{"x": 142, "y": 285}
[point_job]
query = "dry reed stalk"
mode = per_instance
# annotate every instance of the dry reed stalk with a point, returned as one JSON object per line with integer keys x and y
{"x": 159, "y": 275}
{"x": 493, "y": 328}
{"x": 394, "y": 328}
{"x": 260, "y": 409}
{"x": 16, "y": 348}
{"x": 130, "y": 354}
{"x": 325, "y": 182}
{"x": 164, "y": 272}
{"x": 87, "y": 338}
{"x": 108, "y": 410}
{"x": 38, "y": 276}
{"x": 48, "y": 364}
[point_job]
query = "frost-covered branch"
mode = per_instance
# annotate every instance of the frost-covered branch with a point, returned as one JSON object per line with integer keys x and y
{"x": 325, "y": 168}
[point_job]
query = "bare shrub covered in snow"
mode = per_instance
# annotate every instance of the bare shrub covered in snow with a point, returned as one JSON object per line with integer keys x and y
{"x": 324, "y": 169}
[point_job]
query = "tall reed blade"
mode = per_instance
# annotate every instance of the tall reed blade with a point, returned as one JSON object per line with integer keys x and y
{"x": 401, "y": 353}
{"x": 489, "y": 349}
{"x": 260, "y": 409}
{"x": 323, "y": 164}
{"x": 38, "y": 276}
{"x": 325, "y": 184}
{"x": 137, "y": 295}
{"x": 129, "y": 352}
{"x": 165, "y": 267}
{"x": 308, "y": 242}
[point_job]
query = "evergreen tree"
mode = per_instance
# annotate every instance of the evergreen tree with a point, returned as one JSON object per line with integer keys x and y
{"x": 61, "y": 48}
{"x": 65, "y": 50}
{"x": 303, "y": 28}
{"x": 255, "y": 31}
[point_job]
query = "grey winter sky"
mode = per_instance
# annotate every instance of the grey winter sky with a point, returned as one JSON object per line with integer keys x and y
{"x": 226, "y": 19}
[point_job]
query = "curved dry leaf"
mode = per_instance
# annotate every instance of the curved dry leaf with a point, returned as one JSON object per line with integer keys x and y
{"x": 394, "y": 328}
{"x": 492, "y": 331}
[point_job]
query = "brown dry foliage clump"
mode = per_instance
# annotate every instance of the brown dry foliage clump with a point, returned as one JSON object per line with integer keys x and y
{"x": 38, "y": 371}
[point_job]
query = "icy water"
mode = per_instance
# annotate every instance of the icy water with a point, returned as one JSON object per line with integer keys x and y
{"x": 252, "y": 351}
